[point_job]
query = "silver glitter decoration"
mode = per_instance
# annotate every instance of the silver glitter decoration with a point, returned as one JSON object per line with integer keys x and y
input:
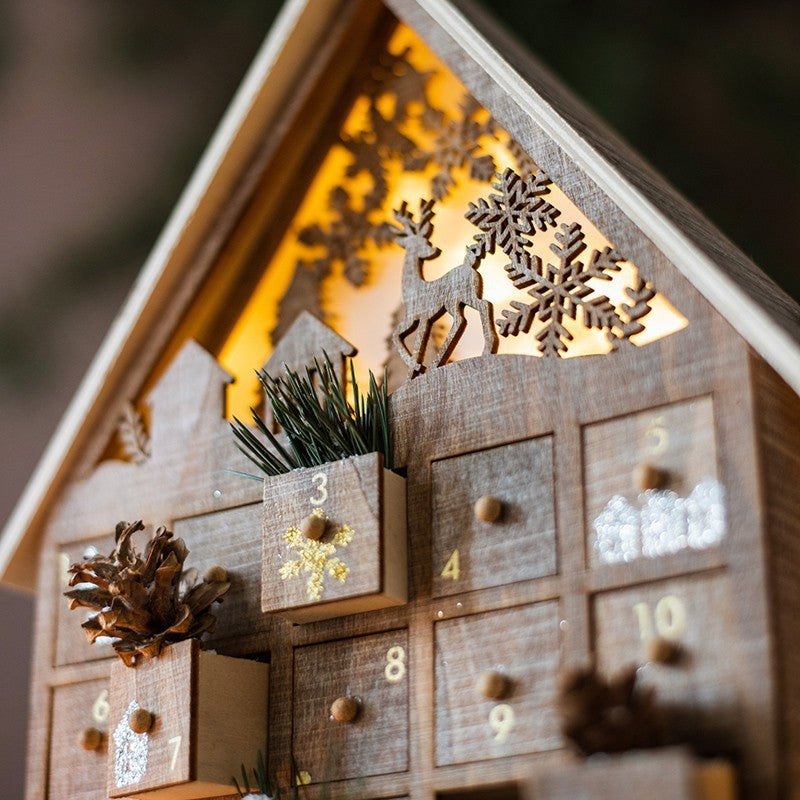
{"x": 663, "y": 523}
{"x": 666, "y": 523}
{"x": 617, "y": 532}
{"x": 705, "y": 513}
{"x": 130, "y": 754}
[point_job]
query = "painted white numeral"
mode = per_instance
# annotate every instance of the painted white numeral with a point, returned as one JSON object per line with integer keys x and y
{"x": 501, "y": 719}
{"x": 669, "y": 617}
{"x": 657, "y": 437}
{"x": 175, "y": 742}
{"x": 100, "y": 707}
{"x": 452, "y": 569}
{"x": 395, "y": 669}
{"x": 63, "y": 568}
{"x": 320, "y": 481}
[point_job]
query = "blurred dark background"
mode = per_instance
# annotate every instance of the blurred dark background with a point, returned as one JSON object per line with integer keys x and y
{"x": 105, "y": 108}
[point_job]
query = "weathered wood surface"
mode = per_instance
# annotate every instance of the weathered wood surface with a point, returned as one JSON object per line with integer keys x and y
{"x": 209, "y": 714}
{"x": 77, "y": 774}
{"x": 778, "y": 410}
{"x": 363, "y": 506}
{"x": 374, "y": 670}
{"x": 673, "y": 774}
{"x": 523, "y": 645}
{"x": 520, "y": 544}
{"x": 438, "y": 416}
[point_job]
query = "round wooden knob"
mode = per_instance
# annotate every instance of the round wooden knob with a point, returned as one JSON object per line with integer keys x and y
{"x": 141, "y": 720}
{"x": 493, "y": 685}
{"x": 215, "y": 575}
{"x": 663, "y": 651}
{"x": 488, "y": 508}
{"x": 90, "y": 739}
{"x": 312, "y": 527}
{"x": 646, "y": 476}
{"x": 344, "y": 709}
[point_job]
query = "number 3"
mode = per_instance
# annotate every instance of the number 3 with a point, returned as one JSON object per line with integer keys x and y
{"x": 320, "y": 481}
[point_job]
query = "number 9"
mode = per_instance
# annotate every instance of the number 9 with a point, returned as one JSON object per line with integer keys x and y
{"x": 501, "y": 720}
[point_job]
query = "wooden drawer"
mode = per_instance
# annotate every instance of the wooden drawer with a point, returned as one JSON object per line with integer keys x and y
{"x": 662, "y": 774}
{"x": 230, "y": 539}
{"x": 521, "y": 644}
{"x": 72, "y": 645}
{"x": 704, "y": 683}
{"x": 358, "y": 561}
{"x": 469, "y": 553}
{"x": 677, "y": 444}
{"x": 76, "y": 773}
{"x": 374, "y": 670}
{"x": 209, "y": 714}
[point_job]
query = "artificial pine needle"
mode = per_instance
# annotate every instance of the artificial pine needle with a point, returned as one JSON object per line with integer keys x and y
{"x": 319, "y": 423}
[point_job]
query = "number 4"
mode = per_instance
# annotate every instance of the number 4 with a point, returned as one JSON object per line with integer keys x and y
{"x": 452, "y": 569}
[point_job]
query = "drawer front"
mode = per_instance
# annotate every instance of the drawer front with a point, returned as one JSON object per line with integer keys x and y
{"x": 522, "y": 644}
{"x": 75, "y": 773}
{"x": 671, "y": 449}
{"x": 471, "y": 553}
{"x": 703, "y": 683}
{"x": 230, "y": 539}
{"x": 72, "y": 646}
{"x": 373, "y": 669}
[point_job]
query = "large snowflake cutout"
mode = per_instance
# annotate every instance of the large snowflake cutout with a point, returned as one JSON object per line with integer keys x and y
{"x": 316, "y": 557}
{"x": 560, "y": 287}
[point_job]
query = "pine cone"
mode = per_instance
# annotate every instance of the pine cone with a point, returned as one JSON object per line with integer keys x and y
{"x": 600, "y": 715}
{"x": 143, "y": 603}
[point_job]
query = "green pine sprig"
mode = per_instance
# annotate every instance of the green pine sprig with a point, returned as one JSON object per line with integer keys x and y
{"x": 260, "y": 780}
{"x": 320, "y": 424}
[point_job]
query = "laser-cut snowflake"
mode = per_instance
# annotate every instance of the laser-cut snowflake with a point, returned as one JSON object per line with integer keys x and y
{"x": 560, "y": 287}
{"x": 317, "y": 557}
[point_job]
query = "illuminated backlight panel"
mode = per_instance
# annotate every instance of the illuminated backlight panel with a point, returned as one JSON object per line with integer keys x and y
{"x": 415, "y": 133}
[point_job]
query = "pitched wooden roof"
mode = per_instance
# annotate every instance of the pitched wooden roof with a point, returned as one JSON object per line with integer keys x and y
{"x": 583, "y": 157}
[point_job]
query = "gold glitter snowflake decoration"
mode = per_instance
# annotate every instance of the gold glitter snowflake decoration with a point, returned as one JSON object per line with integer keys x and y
{"x": 317, "y": 557}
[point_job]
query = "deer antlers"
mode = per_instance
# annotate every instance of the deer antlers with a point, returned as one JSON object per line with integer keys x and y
{"x": 409, "y": 227}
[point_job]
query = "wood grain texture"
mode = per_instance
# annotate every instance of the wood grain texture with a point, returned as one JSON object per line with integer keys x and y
{"x": 210, "y": 713}
{"x": 677, "y": 439}
{"x": 521, "y": 544}
{"x": 358, "y": 533}
{"x": 71, "y": 643}
{"x": 468, "y": 726}
{"x": 701, "y": 692}
{"x": 778, "y": 411}
{"x": 77, "y": 774}
{"x": 672, "y": 774}
{"x": 377, "y": 741}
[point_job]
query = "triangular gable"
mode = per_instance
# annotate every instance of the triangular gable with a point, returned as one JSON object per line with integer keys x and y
{"x": 598, "y": 173}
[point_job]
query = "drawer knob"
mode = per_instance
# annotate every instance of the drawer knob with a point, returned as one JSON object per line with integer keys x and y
{"x": 493, "y": 685}
{"x": 215, "y": 575}
{"x": 91, "y": 739}
{"x": 141, "y": 720}
{"x": 646, "y": 476}
{"x": 345, "y": 709}
{"x": 312, "y": 527}
{"x": 488, "y": 508}
{"x": 663, "y": 651}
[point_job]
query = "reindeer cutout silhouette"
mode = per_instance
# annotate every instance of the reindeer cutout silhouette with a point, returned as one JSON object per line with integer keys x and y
{"x": 427, "y": 301}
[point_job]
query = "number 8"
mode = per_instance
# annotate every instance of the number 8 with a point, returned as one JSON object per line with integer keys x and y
{"x": 395, "y": 668}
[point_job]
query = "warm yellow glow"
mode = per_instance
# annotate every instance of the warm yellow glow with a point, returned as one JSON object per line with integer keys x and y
{"x": 364, "y": 315}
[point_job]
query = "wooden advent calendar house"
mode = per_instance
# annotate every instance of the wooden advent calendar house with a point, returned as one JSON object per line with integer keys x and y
{"x": 594, "y": 405}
